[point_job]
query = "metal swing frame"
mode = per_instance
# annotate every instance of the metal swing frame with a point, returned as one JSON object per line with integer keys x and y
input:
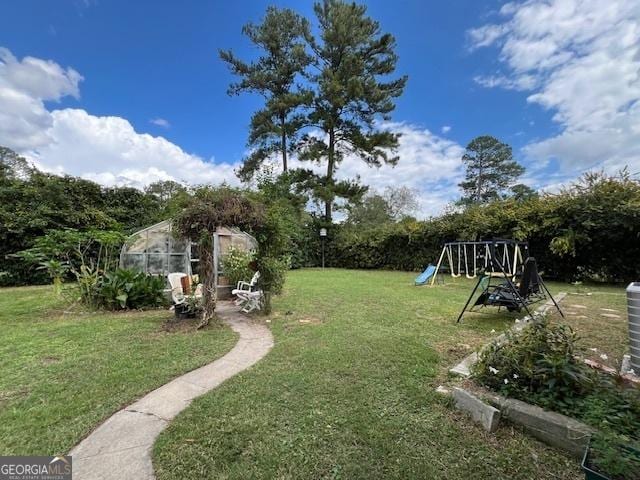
{"x": 508, "y": 285}
{"x": 512, "y": 253}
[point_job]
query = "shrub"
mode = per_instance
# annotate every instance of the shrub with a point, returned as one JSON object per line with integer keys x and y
{"x": 587, "y": 231}
{"x": 540, "y": 362}
{"x": 274, "y": 239}
{"x": 541, "y": 365}
{"x": 118, "y": 290}
{"x": 124, "y": 289}
{"x": 614, "y": 455}
{"x": 235, "y": 265}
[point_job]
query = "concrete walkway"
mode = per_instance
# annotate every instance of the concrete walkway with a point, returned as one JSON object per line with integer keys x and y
{"x": 120, "y": 448}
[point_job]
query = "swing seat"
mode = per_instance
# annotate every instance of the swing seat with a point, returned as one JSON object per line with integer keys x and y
{"x": 498, "y": 296}
{"x": 503, "y": 295}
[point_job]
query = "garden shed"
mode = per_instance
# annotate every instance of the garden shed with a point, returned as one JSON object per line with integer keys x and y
{"x": 156, "y": 250}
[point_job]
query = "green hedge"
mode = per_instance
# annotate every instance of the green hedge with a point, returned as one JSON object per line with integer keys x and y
{"x": 588, "y": 231}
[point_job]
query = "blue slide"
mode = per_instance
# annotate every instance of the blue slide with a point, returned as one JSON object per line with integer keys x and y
{"x": 425, "y": 276}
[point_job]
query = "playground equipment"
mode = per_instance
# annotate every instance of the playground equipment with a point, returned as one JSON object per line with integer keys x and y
{"x": 473, "y": 257}
{"x": 425, "y": 276}
{"x": 516, "y": 289}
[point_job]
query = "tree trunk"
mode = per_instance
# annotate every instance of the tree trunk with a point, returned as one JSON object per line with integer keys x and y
{"x": 479, "y": 182}
{"x": 283, "y": 143}
{"x": 328, "y": 206}
{"x": 208, "y": 280}
{"x": 266, "y": 306}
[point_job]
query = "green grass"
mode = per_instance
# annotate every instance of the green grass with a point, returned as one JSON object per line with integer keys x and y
{"x": 348, "y": 392}
{"x": 62, "y": 373}
{"x": 609, "y": 336}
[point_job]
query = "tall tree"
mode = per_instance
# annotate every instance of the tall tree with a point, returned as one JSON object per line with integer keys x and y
{"x": 490, "y": 169}
{"x": 521, "y": 192}
{"x": 164, "y": 190}
{"x": 352, "y": 90}
{"x": 402, "y": 201}
{"x": 282, "y": 36}
{"x": 13, "y": 166}
{"x": 374, "y": 210}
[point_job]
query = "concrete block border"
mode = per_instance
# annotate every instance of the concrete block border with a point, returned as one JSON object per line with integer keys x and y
{"x": 551, "y": 428}
{"x": 480, "y": 412}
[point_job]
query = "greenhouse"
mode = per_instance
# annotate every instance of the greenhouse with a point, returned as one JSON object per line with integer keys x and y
{"x": 157, "y": 251}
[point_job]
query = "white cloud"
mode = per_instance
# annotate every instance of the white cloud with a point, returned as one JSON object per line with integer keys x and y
{"x": 523, "y": 82}
{"x": 485, "y": 35}
{"x": 24, "y": 87}
{"x": 160, "y": 122}
{"x": 108, "y": 150}
{"x": 105, "y": 149}
{"x": 445, "y": 129}
{"x": 581, "y": 60}
{"x": 41, "y": 79}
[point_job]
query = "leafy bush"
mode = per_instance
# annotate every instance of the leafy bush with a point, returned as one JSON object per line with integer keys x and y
{"x": 118, "y": 290}
{"x": 235, "y": 265}
{"x": 274, "y": 239}
{"x": 541, "y": 365}
{"x": 588, "y": 231}
{"x": 273, "y": 269}
{"x": 124, "y": 289}
{"x": 540, "y": 362}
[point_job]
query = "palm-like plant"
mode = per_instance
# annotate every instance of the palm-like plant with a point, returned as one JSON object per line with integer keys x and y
{"x": 56, "y": 269}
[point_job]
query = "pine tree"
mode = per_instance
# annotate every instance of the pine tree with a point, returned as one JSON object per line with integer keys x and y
{"x": 282, "y": 36}
{"x": 352, "y": 93}
{"x": 490, "y": 170}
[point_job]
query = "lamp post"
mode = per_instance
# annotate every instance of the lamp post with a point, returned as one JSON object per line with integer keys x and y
{"x": 323, "y": 235}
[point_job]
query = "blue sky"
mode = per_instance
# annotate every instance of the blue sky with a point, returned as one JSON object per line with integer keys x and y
{"x": 475, "y": 67}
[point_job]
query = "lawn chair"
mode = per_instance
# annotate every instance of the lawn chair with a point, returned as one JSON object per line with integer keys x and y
{"x": 245, "y": 287}
{"x": 248, "y": 295}
{"x": 252, "y": 301}
{"x": 177, "y": 294}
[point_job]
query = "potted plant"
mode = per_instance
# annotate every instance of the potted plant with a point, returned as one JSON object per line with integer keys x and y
{"x": 190, "y": 307}
{"x": 609, "y": 456}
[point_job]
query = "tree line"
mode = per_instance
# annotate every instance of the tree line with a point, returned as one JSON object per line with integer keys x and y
{"x": 34, "y": 204}
{"x": 326, "y": 97}
{"x": 589, "y": 230}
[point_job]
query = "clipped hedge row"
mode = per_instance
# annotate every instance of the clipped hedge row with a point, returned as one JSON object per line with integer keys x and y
{"x": 589, "y": 231}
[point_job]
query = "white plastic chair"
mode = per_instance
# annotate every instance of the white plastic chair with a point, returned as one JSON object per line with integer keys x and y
{"x": 252, "y": 301}
{"x": 243, "y": 286}
{"x": 247, "y": 295}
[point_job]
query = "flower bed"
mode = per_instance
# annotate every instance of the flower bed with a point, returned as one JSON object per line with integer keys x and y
{"x": 541, "y": 365}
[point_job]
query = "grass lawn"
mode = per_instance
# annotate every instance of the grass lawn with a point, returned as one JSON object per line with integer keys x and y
{"x": 593, "y": 317}
{"x": 349, "y": 392}
{"x": 62, "y": 373}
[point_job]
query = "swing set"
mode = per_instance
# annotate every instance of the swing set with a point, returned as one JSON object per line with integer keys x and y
{"x": 508, "y": 286}
{"x": 475, "y": 257}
